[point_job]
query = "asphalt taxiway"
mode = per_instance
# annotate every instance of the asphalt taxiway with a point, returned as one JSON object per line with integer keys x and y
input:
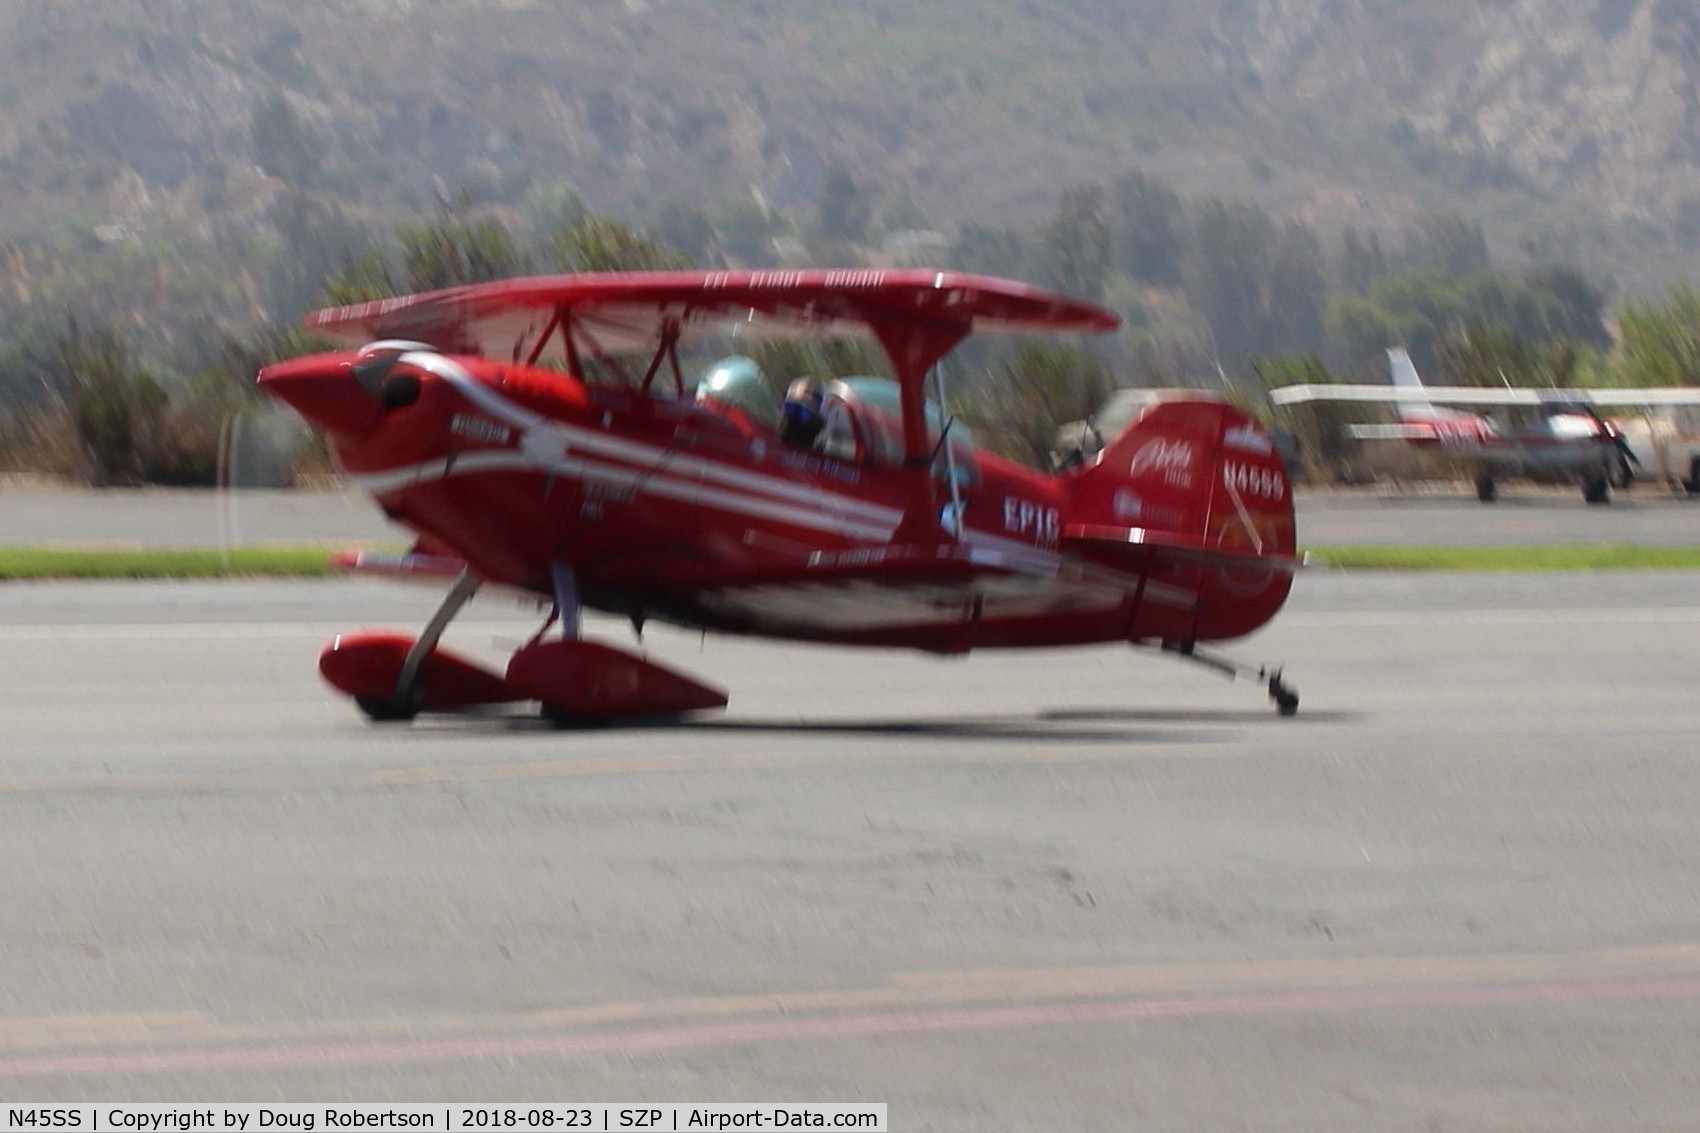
{"x": 1032, "y": 891}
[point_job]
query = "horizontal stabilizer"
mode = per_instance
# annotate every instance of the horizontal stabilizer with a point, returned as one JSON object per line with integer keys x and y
{"x": 1137, "y": 548}
{"x": 893, "y": 564}
{"x": 413, "y": 565}
{"x": 1391, "y": 432}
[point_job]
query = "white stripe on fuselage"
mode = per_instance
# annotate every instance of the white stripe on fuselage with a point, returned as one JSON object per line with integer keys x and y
{"x": 638, "y": 452}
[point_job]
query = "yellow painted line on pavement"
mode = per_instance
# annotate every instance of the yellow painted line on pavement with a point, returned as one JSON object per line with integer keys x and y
{"x": 586, "y": 766}
{"x": 905, "y": 991}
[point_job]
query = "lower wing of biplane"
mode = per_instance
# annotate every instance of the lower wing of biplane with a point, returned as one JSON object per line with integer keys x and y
{"x": 940, "y": 599}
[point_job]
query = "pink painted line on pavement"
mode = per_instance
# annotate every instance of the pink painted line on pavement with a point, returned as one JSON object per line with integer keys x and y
{"x": 839, "y": 1026}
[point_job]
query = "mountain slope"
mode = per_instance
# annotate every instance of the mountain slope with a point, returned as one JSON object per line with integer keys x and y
{"x": 1569, "y": 119}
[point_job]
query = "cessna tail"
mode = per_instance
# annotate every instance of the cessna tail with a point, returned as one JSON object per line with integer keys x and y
{"x": 1430, "y": 423}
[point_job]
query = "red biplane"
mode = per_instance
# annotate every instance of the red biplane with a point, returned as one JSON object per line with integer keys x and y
{"x": 541, "y": 434}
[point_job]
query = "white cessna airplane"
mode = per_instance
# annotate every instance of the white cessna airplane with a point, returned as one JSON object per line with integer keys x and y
{"x": 1528, "y": 430}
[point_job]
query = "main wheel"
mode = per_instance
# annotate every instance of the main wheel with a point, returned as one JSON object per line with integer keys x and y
{"x": 1596, "y": 489}
{"x": 572, "y": 721}
{"x": 396, "y": 708}
{"x": 1619, "y": 474}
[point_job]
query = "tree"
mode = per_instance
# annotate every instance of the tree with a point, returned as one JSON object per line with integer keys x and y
{"x": 284, "y": 147}
{"x": 117, "y": 410}
{"x": 1482, "y": 356}
{"x": 317, "y": 241}
{"x": 1447, "y": 244}
{"x": 1362, "y": 260}
{"x": 782, "y": 360}
{"x": 747, "y": 228}
{"x": 1076, "y": 243}
{"x": 690, "y": 231}
{"x": 600, "y": 243}
{"x": 1033, "y": 391}
{"x": 1581, "y": 304}
{"x": 1233, "y": 252}
{"x": 458, "y": 250}
{"x": 986, "y": 250}
{"x": 455, "y": 250}
{"x": 552, "y": 207}
{"x": 842, "y": 213}
{"x": 1150, "y": 230}
{"x": 1421, "y": 310}
{"x": 1659, "y": 345}
{"x": 1362, "y": 329}
{"x": 1297, "y": 293}
{"x": 1319, "y": 428}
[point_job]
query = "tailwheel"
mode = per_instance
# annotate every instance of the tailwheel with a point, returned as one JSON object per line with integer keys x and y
{"x": 1286, "y": 697}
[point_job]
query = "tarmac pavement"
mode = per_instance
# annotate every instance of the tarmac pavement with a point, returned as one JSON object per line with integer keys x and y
{"x": 1030, "y": 891}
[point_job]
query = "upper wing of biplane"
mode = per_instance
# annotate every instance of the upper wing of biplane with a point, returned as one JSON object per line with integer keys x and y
{"x": 1489, "y": 396}
{"x": 547, "y": 318}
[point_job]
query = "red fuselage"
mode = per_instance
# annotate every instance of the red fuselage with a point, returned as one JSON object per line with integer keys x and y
{"x": 668, "y": 508}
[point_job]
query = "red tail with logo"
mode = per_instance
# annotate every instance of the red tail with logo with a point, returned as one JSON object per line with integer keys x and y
{"x": 1194, "y": 495}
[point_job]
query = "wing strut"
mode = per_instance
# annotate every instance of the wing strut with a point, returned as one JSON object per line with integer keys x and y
{"x": 666, "y": 350}
{"x": 955, "y": 525}
{"x": 914, "y": 346}
{"x": 542, "y": 343}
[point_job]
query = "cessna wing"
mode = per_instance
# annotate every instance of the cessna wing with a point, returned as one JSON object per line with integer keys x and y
{"x": 1652, "y": 397}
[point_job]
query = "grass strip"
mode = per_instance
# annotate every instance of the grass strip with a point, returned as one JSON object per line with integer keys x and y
{"x": 22, "y": 563}
{"x": 1561, "y": 557}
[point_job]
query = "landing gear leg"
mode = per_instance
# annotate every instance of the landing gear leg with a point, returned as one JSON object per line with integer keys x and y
{"x": 564, "y": 581}
{"x": 1286, "y": 697}
{"x": 404, "y": 702}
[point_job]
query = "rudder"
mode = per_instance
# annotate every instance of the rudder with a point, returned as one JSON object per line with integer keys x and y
{"x": 1202, "y": 486}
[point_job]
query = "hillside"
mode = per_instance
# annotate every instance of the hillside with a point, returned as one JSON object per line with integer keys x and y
{"x": 1568, "y": 126}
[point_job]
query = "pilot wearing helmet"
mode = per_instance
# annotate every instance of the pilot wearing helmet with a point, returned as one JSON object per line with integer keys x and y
{"x": 800, "y": 419}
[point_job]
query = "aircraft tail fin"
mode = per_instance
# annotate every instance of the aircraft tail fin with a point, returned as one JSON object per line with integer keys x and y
{"x": 1195, "y": 490}
{"x": 1404, "y": 375}
{"x": 1402, "y": 369}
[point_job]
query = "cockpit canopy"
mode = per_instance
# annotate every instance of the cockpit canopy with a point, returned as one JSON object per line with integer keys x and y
{"x": 736, "y": 382}
{"x": 864, "y": 425}
{"x": 862, "y": 417}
